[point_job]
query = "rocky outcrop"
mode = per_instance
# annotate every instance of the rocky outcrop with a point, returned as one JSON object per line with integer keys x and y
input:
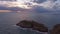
{"x": 39, "y": 27}
{"x": 24, "y": 24}
{"x": 32, "y": 24}
{"x": 56, "y": 29}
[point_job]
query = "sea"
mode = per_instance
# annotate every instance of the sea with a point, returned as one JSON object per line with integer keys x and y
{"x": 8, "y": 21}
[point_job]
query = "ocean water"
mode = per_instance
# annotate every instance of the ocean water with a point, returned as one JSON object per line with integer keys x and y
{"x": 8, "y": 21}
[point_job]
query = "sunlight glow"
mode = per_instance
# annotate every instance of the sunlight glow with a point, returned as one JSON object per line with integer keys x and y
{"x": 22, "y": 4}
{"x": 18, "y": 3}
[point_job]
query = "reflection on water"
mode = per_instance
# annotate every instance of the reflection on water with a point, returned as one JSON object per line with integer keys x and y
{"x": 8, "y": 20}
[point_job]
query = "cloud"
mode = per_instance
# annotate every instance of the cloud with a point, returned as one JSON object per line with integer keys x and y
{"x": 28, "y": 3}
{"x": 11, "y": 8}
{"x": 16, "y": 9}
{"x": 57, "y": 5}
{"x": 38, "y": 1}
{"x": 7, "y": 0}
{"x": 36, "y": 5}
{"x": 52, "y": 0}
{"x": 53, "y": 4}
{"x": 40, "y": 9}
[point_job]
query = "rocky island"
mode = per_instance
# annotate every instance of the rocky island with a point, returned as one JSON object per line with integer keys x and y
{"x": 34, "y": 25}
{"x": 56, "y": 29}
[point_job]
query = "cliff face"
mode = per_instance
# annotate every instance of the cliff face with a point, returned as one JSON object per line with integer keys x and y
{"x": 56, "y": 29}
{"x": 32, "y": 24}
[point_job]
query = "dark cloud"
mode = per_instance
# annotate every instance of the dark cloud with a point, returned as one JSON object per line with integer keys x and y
{"x": 53, "y": 0}
{"x": 39, "y": 1}
{"x": 11, "y": 8}
{"x": 56, "y": 5}
{"x": 28, "y": 3}
{"x": 40, "y": 9}
{"x": 3, "y": 7}
{"x": 16, "y": 9}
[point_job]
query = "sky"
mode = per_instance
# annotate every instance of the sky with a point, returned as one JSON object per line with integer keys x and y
{"x": 33, "y": 5}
